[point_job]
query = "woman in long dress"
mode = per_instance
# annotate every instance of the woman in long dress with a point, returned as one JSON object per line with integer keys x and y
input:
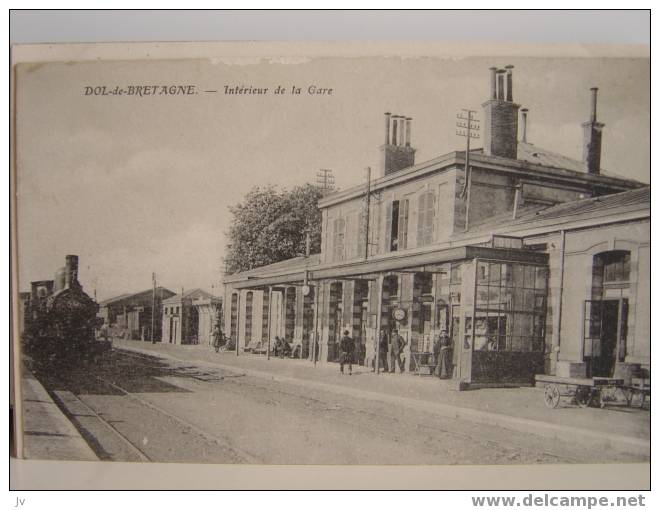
{"x": 445, "y": 368}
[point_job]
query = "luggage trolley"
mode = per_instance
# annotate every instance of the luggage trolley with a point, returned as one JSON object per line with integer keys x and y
{"x": 585, "y": 391}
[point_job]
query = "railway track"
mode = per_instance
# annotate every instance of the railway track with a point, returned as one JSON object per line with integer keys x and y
{"x": 66, "y": 400}
{"x": 240, "y": 455}
{"x": 90, "y": 417}
{"x": 382, "y": 419}
{"x": 349, "y": 414}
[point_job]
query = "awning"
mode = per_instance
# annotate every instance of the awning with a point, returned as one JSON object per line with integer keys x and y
{"x": 419, "y": 262}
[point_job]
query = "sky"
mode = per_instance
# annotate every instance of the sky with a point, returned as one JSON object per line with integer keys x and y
{"x": 135, "y": 185}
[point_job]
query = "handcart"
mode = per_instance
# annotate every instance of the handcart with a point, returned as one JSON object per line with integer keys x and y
{"x": 638, "y": 386}
{"x": 584, "y": 391}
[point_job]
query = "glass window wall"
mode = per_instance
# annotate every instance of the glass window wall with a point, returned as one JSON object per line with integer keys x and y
{"x": 510, "y": 307}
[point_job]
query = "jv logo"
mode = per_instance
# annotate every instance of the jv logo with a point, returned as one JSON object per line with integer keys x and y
{"x": 19, "y": 502}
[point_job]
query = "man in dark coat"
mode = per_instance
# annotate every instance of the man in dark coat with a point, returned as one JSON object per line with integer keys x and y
{"x": 383, "y": 348}
{"x": 398, "y": 344}
{"x": 346, "y": 349}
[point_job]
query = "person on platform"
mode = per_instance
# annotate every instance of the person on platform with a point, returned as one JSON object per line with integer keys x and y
{"x": 218, "y": 339}
{"x": 346, "y": 349}
{"x": 383, "y": 348}
{"x": 398, "y": 345}
{"x": 445, "y": 367}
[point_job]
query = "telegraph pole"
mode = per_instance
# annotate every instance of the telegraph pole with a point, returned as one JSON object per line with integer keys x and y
{"x": 468, "y": 127}
{"x": 153, "y": 306}
{"x": 325, "y": 180}
{"x": 366, "y": 214}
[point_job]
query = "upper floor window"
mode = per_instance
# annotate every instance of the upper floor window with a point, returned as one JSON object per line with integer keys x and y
{"x": 425, "y": 218}
{"x": 612, "y": 266}
{"x": 397, "y": 225}
{"x": 338, "y": 233}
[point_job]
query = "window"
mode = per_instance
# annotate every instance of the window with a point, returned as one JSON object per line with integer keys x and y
{"x": 609, "y": 268}
{"x": 397, "y": 232}
{"x": 616, "y": 266}
{"x": 338, "y": 233}
{"x": 425, "y": 218}
{"x": 510, "y": 307}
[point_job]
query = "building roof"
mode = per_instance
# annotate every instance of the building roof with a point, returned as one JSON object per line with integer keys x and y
{"x": 190, "y": 295}
{"x": 127, "y": 297}
{"x": 534, "y": 154}
{"x": 277, "y": 268}
{"x": 633, "y": 200}
{"x": 532, "y": 160}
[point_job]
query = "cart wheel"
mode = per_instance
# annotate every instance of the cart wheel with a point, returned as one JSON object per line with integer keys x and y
{"x": 551, "y": 396}
{"x": 583, "y": 396}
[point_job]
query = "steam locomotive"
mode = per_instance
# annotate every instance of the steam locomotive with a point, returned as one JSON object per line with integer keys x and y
{"x": 59, "y": 319}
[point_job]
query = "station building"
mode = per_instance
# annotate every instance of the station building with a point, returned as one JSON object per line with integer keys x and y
{"x": 190, "y": 317}
{"x": 531, "y": 261}
{"x": 130, "y": 316}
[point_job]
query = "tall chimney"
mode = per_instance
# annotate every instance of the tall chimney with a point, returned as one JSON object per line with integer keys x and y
{"x": 500, "y": 84}
{"x": 408, "y": 119}
{"x": 387, "y": 127}
{"x": 395, "y": 123}
{"x": 594, "y": 101}
{"x": 493, "y": 83}
{"x": 509, "y": 83}
{"x": 397, "y": 153}
{"x": 71, "y": 271}
{"x": 524, "y": 124}
{"x": 593, "y": 134}
{"x": 500, "y": 126}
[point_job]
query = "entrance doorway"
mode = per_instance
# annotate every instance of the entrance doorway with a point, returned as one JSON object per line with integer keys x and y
{"x": 604, "y": 335}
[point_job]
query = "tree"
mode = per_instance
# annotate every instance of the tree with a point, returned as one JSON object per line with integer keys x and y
{"x": 270, "y": 226}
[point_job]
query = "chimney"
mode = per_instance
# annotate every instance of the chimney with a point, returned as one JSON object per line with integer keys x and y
{"x": 501, "y": 116}
{"x": 71, "y": 272}
{"x": 509, "y": 83}
{"x": 395, "y": 124}
{"x": 387, "y": 127}
{"x": 408, "y": 119}
{"x": 593, "y": 134}
{"x": 493, "y": 85}
{"x": 500, "y": 84}
{"x": 524, "y": 125}
{"x": 397, "y": 153}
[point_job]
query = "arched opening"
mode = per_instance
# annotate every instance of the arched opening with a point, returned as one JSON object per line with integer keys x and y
{"x": 233, "y": 319}
{"x": 249, "y": 298}
{"x": 606, "y": 313}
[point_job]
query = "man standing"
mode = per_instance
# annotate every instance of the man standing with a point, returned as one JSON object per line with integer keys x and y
{"x": 398, "y": 344}
{"x": 346, "y": 348}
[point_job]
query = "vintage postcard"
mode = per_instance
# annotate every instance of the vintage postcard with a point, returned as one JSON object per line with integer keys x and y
{"x": 334, "y": 258}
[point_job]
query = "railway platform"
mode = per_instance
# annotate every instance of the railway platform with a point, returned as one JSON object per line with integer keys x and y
{"x": 47, "y": 432}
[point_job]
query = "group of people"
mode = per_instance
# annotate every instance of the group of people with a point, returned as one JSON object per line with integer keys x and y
{"x": 390, "y": 353}
{"x": 388, "y": 349}
{"x": 391, "y": 349}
